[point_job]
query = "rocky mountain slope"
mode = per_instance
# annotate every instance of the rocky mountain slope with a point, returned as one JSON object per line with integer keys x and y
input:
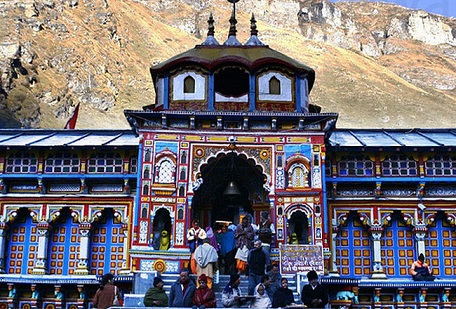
{"x": 378, "y": 65}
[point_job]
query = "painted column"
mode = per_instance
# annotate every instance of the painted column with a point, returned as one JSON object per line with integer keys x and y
{"x": 125, "y": 267}
{"x": 420, "y": 234}
{"x": 84, "y": 249}
{"x": 211, "y": 93}
{"x": 335, "y": 229}
{"x": 3, "y": 228}
{"x": 376, "y": 235}
{"x": 252, "y": 93}
{"x": 42, "y": 254}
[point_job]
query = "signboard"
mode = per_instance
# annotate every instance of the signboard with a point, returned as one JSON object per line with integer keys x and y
{"x": 301, "y": 258}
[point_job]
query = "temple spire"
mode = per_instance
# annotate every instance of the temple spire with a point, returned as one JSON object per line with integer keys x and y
{"x": 232, "y": 40}
{"x": 253, "y": 40}
{"x": 210, "y": 40}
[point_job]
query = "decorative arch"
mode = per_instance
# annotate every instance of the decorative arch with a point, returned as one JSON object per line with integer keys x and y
{"x": 107, "y": 238}
{"x": 205, "y": 158}
{"x": 231, "y": 83}
{"x": 298, "y": 169}
{"x": 162, "y": 220}
{"x": 275, "y": 86}
{"x": 165, "y": 167}
{"x": 189, "y": 85}
{"x": 299, "y": 223}
{"x": 215, "y": 169}
{"x": 22, "y": 246}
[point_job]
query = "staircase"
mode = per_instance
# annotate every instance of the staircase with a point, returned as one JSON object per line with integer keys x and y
{"x": 135, "y": 300}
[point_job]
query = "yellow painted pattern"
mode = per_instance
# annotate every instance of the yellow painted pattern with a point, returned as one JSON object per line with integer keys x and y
{"x": 272, "y": 139}
{"x": 217, "y": 138}
{"x": 247, "y": 139}
{"x": 298, "y": 140}
{"x": 193, "y": 138}
{"x": 167, "y": 137}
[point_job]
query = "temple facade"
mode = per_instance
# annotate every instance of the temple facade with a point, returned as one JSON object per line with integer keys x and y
{"x": 232, "y": 133}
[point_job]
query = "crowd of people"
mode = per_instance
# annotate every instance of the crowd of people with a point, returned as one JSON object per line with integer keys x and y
{"x": 266, "y": 294}
{"x": 242, "y": 250}
{"x": 237, "y": 250}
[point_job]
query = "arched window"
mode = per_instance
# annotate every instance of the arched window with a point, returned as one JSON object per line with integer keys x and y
{"x": 397, "y": 246}
{"x": 22, "y": 245}
{"x": 189, "y": 85}
{"x": 182, "y": 191}
{"x": 146, "y": 172}
{"x": 107, "y": 241}
{"x": 63, "y": 244}
{"x": 165, "y": 171}
{"x": 147, "y": 155}
{"x": 144, "y": 208}
{"x": 184, "y": 157}
{"x": 298, "y": 176}
{"x": 274, "y": 85}
{"x": 353, "y": 247}
{"x": 146, "y": 189}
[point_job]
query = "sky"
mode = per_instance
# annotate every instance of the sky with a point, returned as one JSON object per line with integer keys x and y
{"x": 441, "y": 7}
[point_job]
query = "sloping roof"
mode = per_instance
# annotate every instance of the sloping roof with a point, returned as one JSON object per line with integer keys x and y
{"x": 393, "y": 138}
{"x": 252, "y": 57}
{"x": 63, "y": 138}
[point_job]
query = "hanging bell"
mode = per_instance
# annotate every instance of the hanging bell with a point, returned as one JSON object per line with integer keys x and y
{"x": 232, "y": 189}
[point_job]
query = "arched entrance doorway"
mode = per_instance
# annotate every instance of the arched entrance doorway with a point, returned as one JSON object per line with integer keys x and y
{"x": 298, "y": 227}
{"x": 232, "y": 187}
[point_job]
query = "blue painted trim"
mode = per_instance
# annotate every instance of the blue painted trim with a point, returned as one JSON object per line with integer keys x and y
{"x": 326, "y": 222}
{"x": 211, "y": 93}
{"x": 68, "y": 176}
{"x": 391, "y": 179}
{"x": 137, "y": 201}
{"x": 252, "y": 93}
{"x": 298, "y": 94}
{"x": 166, "y": 93}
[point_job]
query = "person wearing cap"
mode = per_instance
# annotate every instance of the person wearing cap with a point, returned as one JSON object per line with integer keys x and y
{"x": 231, "y": 295}
{"x": 156, "y": 295}
{"x": 313, "y": 294}
{"x": 204, "y": 296}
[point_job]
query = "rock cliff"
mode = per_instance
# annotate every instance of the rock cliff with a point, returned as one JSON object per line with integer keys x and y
{"x": 377, "y": 64}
